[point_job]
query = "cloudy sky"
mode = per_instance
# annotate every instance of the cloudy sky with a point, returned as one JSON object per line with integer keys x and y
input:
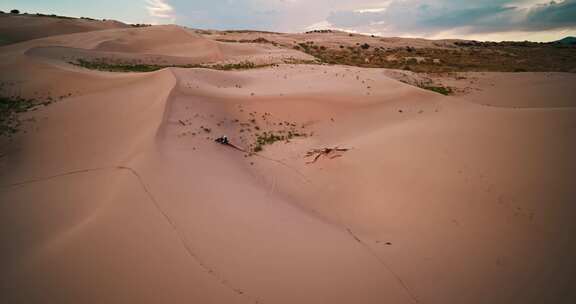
{"x": 482, "y": 20}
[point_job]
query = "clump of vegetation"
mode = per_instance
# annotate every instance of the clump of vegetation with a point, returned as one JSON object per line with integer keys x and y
{"x": 244, "y": 65}
{"x": 265, "y": 139}
{"x": 103, "y": 65}
{"x": 428, "y": 84}
{"x": 438, "y": 89}
{"x": 273, "y": 131}
{"x": 258, "y": 40}
{"x": 116, "y": 67}
{"x": 268, "y": 138}
{"x": 140, "y": 25}
{"x": 300, "y": 61}
{"x": 458, "y": 57}
{"x": 17, "y": 12}
{"x": 10, "y": 108}
{"x": 227, "y": 40}
{"x": 250, "y": 134}
{"x": 319, "y": 31}
{"x": 53, "y": 16}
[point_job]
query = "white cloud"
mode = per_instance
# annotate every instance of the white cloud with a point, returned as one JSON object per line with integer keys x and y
{"x": 322, "y": 25}
{"x": 374, "y": 8}
{"x": 370, "y": 10}
{"x": 160, "y": 11}
{"x": 430, "y": 18}
{"x": 424, "y": 18}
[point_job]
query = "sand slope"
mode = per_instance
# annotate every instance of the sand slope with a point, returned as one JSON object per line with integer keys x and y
{"x": 501, "y": 89}
{"x": 18, "y": 28}
{"x": 118, "y": 193}
{"x": 158, "y": 45}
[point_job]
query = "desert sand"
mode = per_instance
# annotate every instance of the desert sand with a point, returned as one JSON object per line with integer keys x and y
{"x": 17, "y": 28}
{"x": 117, "y": 192}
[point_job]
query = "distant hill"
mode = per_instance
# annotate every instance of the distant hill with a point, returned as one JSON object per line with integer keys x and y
{"x": 567, "y": 41}
{"x": 22, "y": 27}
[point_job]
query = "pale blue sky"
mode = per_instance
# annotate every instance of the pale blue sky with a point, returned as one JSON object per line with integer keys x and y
{"x": 538, "y": 20}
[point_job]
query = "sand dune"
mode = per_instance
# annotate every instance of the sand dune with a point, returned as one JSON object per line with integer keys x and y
{"x": 333, "y": 39}
{"x": 117, "y": 193}
{"x": 165, "y": 40}
{"x": 27, "y": 27}
{"x": 161, "y": 45}
{"x": 505, "y": 90}
{"x": 525, "y": 90}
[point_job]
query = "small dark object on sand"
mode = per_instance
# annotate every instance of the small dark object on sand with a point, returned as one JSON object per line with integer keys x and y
{"x": 326, "y": 152}
{"x": 223, "y": 140}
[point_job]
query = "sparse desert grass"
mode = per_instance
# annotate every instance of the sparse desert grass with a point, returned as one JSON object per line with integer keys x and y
{"x": 109, "y": 66}
{"x": 270, "y": 137}
{"x": 267, "y": 131}
{"x": 10, "y": 110}
{"x": 140, "y": 25}
{"x": 250, "y": 134}
{"x": 438, "y": 89}
{"x": 319, "y": 32}
{"x": 13, "y": 104}
{"x": 257, "y": 40}
{"x": 493, "y": 57}
{"x": 52, "y": 16}
{"x": 227, "y": 40}
{"x": 244, "y": 65}
{"x": 301, "y": 61}
{"x": 15, "y": 11}
{"x": 429, "y": 84}
{"x": 101, "y": 65}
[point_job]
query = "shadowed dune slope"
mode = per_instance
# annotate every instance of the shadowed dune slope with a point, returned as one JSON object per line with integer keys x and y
{"x": 23, "y": 27}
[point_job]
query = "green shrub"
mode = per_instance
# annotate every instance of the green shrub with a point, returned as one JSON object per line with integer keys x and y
{"x": 140, "y": 67}
{"x": 10, "y": 108}
{"x": 440, "y": 90}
